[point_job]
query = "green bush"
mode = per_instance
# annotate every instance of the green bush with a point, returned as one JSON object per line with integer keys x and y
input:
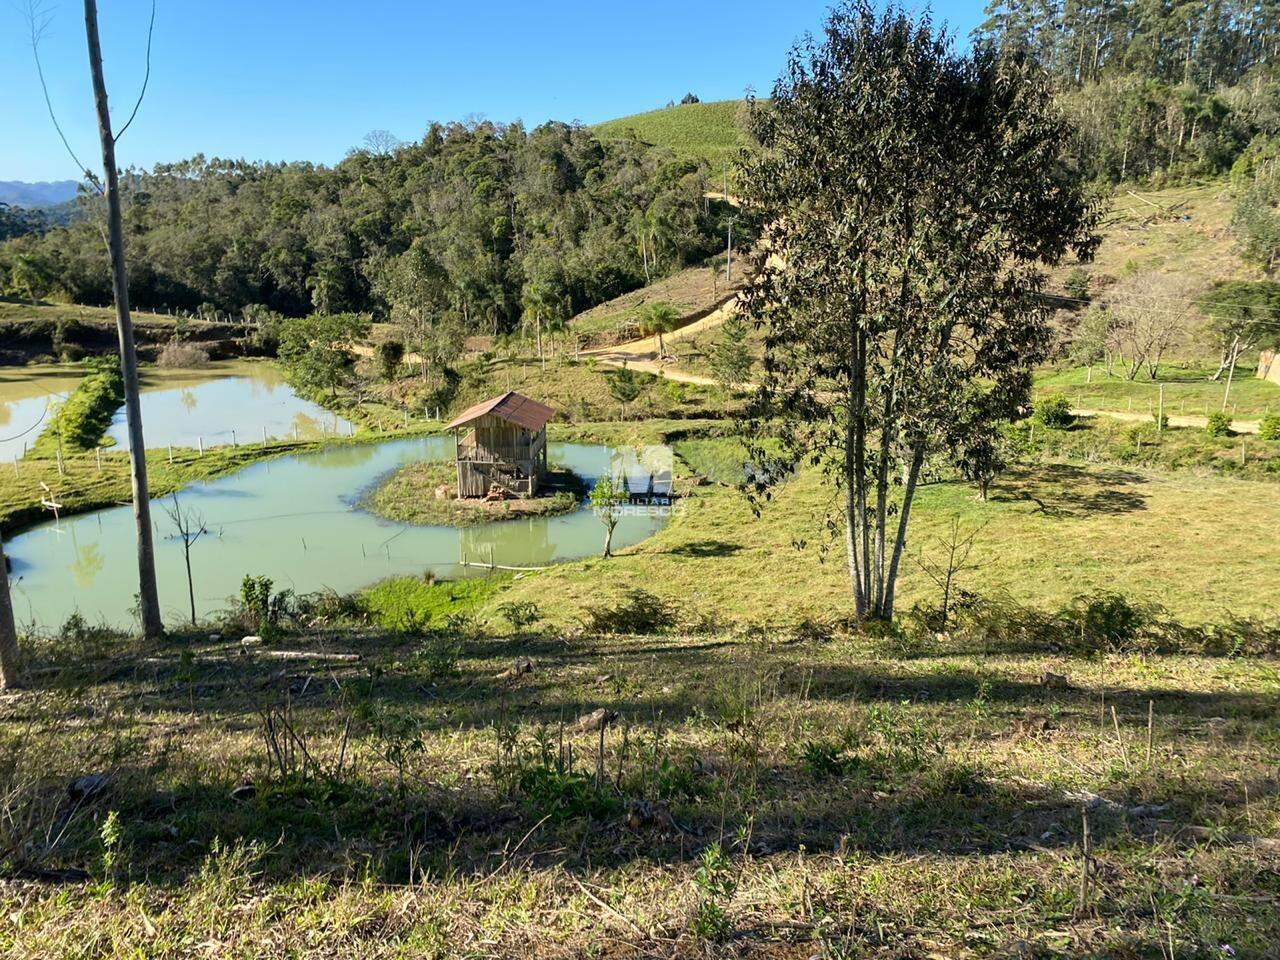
{"x": 1270, "y": 427}
{"x": 1054, "y": 411}
{"x": 1219, "y": 425}
{"x": 639, "y": 612}
{"x": 1077, "y": 285}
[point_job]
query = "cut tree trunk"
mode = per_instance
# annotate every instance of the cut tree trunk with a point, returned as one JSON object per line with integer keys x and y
{"x": 8, "y": 629}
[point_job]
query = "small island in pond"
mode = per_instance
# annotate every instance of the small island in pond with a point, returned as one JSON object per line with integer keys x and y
{"x": 426, "y": 494}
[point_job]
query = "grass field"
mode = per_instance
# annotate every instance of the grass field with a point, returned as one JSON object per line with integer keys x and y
{"x": 578, "y": 389}
{"x": 746, "y": 796}
{"x": 16, "y": 311}
{"x": 1051, "y": 531}
{"x": 702, "y": 131}
{"x": 1187, "y": 389}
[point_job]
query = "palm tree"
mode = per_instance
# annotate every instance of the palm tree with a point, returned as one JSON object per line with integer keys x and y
{"x": 546, "y": 306}
{"x": 657, "y": 319}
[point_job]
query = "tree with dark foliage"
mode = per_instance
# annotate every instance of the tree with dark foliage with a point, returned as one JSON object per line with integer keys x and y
{"x": 912, "y": 196}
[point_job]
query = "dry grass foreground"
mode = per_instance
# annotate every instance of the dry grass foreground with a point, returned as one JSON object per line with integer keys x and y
{"x": 751, "y": 797}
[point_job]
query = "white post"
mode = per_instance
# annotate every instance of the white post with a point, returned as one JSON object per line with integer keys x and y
{"x": 171, "y": 454}
{"x": 1160, "y": 414}
{"x": 233, "y": 439}
{"x": 728, "y": 273}
{"x": 201, "y": 442}
{"x": 98, "y": 452}
{"x": 264, "y": 434}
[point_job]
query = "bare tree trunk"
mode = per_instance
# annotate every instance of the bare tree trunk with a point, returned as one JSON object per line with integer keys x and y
{"x": 191, "y": 584}
{"x": 851, "y": 528}
{"x": 148, "y": 596}
{"x": 1235, "y": 355}
{"x": 8, "y": 629}
{"x": 908, "y": 497}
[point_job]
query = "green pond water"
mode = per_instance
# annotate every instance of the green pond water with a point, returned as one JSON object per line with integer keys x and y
{"x": 226, "y": 402}
{"x": 27, "y": 394}
{"x": 295, "y": 520}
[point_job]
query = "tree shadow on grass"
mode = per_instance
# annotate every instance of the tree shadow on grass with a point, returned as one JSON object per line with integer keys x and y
{"x": 706, "y": 548}
{"x": 1068, "y": 492}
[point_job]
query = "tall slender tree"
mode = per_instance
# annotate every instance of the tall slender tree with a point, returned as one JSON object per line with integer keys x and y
{"x": 148, "y": 595}
{"x": 911, "y": 195}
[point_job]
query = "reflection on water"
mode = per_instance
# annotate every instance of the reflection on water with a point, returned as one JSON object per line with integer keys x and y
{"x": 293, "y": 520}
{"x": 228, "y": 402}
{"x": 27, "y": 395}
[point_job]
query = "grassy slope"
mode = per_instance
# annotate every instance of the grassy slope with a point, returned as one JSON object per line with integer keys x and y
{"x": 14, "y": 311}
{"x": 702, "y": 131}
{"x": 1052, "y": 531}
{"x": 691, "y": 291}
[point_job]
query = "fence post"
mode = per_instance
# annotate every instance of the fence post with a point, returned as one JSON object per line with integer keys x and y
{"x": 1160, "y": 415}
{"x": 233, "y": 439}
{"x": 200, "y": 440}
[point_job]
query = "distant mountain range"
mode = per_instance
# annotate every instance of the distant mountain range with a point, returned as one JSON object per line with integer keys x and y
{"x": 19, "y": 194}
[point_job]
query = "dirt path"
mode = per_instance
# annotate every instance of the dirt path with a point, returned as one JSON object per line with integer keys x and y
{"x": 1175, "y": 420}
{"x": 642, "y": 354}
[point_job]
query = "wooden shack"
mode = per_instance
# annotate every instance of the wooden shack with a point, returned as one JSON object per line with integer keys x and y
{"x": 502, "y": 446}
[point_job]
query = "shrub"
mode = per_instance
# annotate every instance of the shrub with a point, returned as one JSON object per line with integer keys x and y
{"x": 1109, "y": 620}
{"x": 182, "y": 355}
{"x": 1269, "y": 429}
{"x": 639, "y": 612}
{"x": 260, "y": 609}
{"x": 1219, "y": 424}
{"x": 520, "y": 614}
{"x": 1161, "y": 419}
{"x": 1054, "y": 411}
{"x": 1077, "y": 284}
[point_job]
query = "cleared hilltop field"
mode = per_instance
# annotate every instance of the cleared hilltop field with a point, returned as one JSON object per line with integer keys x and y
{"x": 703, "y": 131}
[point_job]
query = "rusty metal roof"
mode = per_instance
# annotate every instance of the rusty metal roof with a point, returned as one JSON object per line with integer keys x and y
{"x": 511, "y": 407}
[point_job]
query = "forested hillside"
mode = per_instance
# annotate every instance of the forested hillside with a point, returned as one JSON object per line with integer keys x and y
{"x": 1156, "y": 88}
{"x": 474, "y": 225}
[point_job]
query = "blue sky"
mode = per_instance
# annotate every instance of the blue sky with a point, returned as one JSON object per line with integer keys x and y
{"x": 307, "y": 79}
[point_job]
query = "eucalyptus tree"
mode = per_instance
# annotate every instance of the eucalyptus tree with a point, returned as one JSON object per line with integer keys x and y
{"x": 911, "y": 196}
